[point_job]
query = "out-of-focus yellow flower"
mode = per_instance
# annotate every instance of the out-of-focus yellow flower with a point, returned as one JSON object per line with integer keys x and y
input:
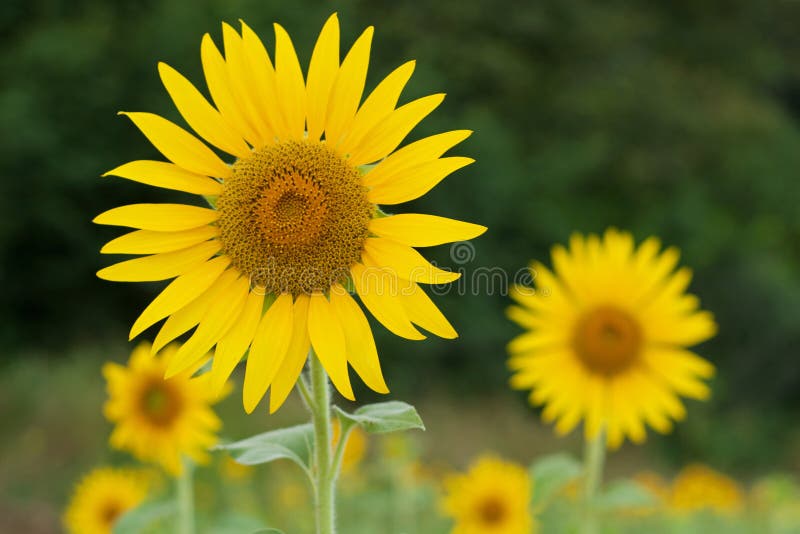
{"x": 657, "y": 487}
{"x": 354, "y": 450}
{"x": 608, "y": 338}
{"x": 493, "y": 497}
{"x": 156, "y": 419}
{"x": 233, "y": 470}
{"x": 102, "y": 497}
{"x": 699, "y": 487}
{"x": 292, "y": 495}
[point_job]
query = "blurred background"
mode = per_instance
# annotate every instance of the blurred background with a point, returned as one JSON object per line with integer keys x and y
{"x": 680, "y": 119}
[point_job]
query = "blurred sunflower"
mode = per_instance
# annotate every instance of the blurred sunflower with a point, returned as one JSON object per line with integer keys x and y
{"x": 156, "y": 419}
{"x": 608, "y": 338}
{"x": 294, "y": 222}
{"x": 354, "y": 450}
{"x": 493, "y": 497}
{"x": 102, "y": 497}
{"x": 699, "y": 487}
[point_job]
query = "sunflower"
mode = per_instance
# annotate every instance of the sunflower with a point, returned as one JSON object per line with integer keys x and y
{"x": 102, "y": 497}
{"x": 354, "y": 450}
{"x": 698, "y": 487}
{"x": 492, "y": 498}
{"x": 608, "y": 337}
{"x": 159, "y": 420}
{"x": 294, "y": 222}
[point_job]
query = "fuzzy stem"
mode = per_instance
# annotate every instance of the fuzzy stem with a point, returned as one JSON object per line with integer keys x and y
{"x": 594, "y": 458}
{"x": 185, "y": 496}
{"x": 324, "y": 472}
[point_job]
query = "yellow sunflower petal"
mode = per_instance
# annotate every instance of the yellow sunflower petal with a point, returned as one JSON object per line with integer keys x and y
{"x": 321, "y": 75}
{"x": 348, "y": 88}
{"x": 405, "y": 261}
{"x": 328, "y": 341}
{"x": 216, "y": 74}
{"x": 263, "y": 76}
{"x": 291, "y": 89}
{"x": 296, "y": 356}
{"x": 417, "y": 181}
{"x": 378, "y": 291}
{"x": 385, "y": 136}
{"x": 233, "y": 344}
{"x": 190, "y": 315}
{"x": 240, "y": 81}
{"x": 377, "y": 106}
{"x": 179, "y": 146}
{"x": 200, "y": 115}
{"x": 361, "y": 351}
{"x": 150, "y": 242}
{"x": 167, "y": 176}
{"x": 220, "y": 317}
{"x": 400, "y": 163}
{"x": 270, "y": 343}
{"x": 423, "y": 312}
{"x": 416, "y": 230}
{"x": 179, "y": 293}
{"x": 158, "y": 217}
{"x": 160, "y": 266}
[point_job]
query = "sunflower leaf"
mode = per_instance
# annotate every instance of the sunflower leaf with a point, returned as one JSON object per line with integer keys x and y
{"x": 383, "y": 417}
{"x": 293, "y": 443}
{"x": 624, "y": 494}
{"x": 552, "y": 474}
{"x": 145, "y": 517}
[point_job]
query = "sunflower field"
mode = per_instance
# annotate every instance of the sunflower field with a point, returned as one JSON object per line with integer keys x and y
{"x": 400, "y": 268}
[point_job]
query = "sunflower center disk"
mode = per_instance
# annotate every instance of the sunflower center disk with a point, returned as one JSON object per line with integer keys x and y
{"x": 293, "y": 217}
{"x": 159, "y": 404}
{"x": 607, "y": 340}
{"x": 492, "y": 512}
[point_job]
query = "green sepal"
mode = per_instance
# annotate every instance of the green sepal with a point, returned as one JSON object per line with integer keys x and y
{"x": 382, "y": 417}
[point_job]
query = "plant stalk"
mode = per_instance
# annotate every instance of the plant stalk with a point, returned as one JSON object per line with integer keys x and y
{"x": 594, "y": 458}
{"x": 324, "y": 472}
{"x": 185, "y": 496}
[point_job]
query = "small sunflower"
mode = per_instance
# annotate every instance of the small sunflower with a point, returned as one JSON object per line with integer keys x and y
{"x": 354, "y": 450}
{"x": 293, "y": 222}
{"x": 608, "y": 338}
{"x": 159, "y": 420}
{"x": 102, "y": 497}
{"x": 493, "y": 497}
{"x": 698, "y": 487}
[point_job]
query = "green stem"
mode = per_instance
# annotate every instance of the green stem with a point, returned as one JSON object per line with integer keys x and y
{"x": 185, "y": 495}
{"x": 594, "y": 458}
{"x": 324, "y": 473}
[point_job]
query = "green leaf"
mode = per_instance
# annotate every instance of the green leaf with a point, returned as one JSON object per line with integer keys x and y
{"x": 551, "y": 474}
{"x": 624, "y": 494}
{"x": 293, "y": 443}
{"x": 234, "y": 523}
{"x": 144, "y": 517}
{"x": 383, "y": 417}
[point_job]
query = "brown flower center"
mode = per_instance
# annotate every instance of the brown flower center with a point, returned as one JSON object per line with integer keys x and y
{"x": 293, "y": 217}
{"x": 492, "y": 511}
{"x": 160, "y": 404}
{"x": 608, "y": 340}
{"x": 110, "y": 512}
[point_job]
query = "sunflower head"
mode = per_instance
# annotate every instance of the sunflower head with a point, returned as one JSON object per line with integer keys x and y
{"x": 698, "y": 487}
{"x": 493, "y": 497}
{"x": 608, "y": 336}
{"x": 156, "y": 419}
{"x": 102, "y": 497}
{"x": 294, "y": 214}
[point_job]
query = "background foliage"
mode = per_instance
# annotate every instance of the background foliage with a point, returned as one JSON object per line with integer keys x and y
{"x": 672, "y": 118}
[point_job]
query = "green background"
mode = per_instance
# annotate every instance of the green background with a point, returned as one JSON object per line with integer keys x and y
{"x": 677, "y": 119}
